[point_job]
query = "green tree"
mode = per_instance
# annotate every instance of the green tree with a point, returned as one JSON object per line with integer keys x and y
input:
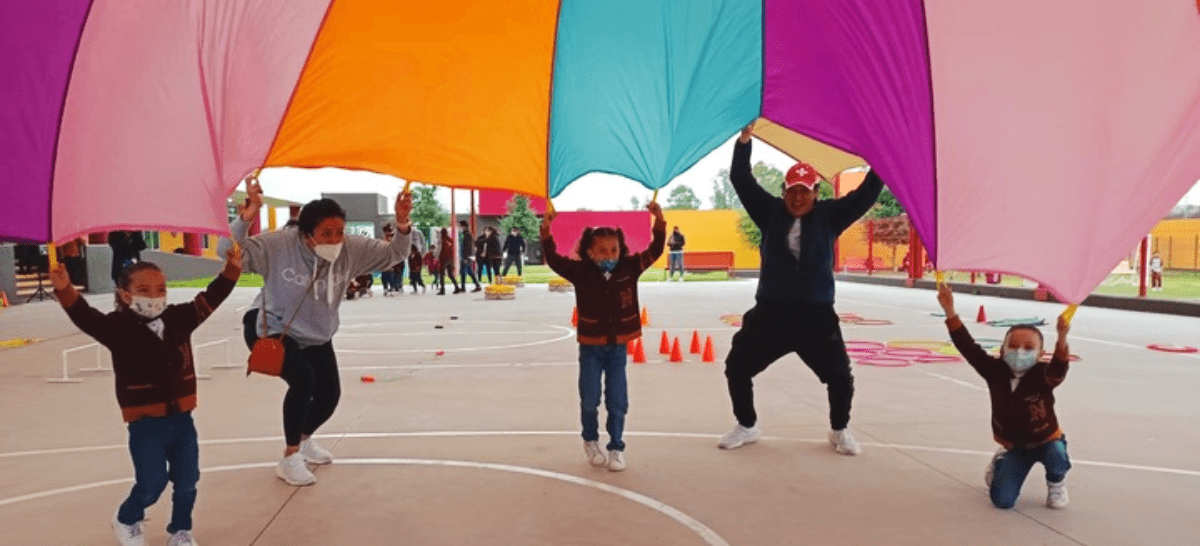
{"x": 523, "y": 217}
{"x": 427, "y": 211}
{"x": 682, "y": 198}
{"x": 886, "y": 207}
{"x": 724, "y": 196}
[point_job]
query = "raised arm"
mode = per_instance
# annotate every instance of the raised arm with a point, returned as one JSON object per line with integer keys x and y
{"x": 254, "y": 250}
{"x": 647, "y": 257}
{"x": 565, "y": 267}
{"x": 971, "y": 351}
{"x": 756, "y": 199}
{"x": 84, "y": 316}
{"x": 1056, "y": 371}
{"x": 194, "y": 313}
{"x": 849, "y": 208}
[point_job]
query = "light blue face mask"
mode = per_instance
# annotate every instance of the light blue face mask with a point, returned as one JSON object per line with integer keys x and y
{"x": 1021, "y": 360}
{"x": 606, "y": 265}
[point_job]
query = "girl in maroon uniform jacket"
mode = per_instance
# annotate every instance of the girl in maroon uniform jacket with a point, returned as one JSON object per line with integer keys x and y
{"x": 605, "y": 279}
{"x": 1022, "y": 392}
{"x": 151, "y": 345}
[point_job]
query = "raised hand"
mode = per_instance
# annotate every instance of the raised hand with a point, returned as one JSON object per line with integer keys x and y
{"x": 946, "y": 299}
{"x": 656, "y": 210}
{"x": 1064, "y": 326}
{"x": 747, "y": 132}
{"x": 233, "y": 256}
{"x": 254, "y": 197}
{"x": 60, "y": 278}
{"x": 404, "y": 206}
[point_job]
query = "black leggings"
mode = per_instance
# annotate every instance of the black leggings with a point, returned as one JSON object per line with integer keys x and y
{"x": 313, "y": 384}
{"x": 767, "y": 335}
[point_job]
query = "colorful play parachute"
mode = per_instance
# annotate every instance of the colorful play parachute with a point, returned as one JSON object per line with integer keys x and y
{"x": 1038, "y": 137}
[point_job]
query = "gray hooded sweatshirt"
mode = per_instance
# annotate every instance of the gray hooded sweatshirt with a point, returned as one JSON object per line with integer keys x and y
{"x": 293, "y": 265}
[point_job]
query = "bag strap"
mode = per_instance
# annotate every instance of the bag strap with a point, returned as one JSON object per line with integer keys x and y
{"x": 267, "y": 267}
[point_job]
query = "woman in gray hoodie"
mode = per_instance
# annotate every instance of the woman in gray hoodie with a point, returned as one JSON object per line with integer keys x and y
{"x": 305, "y": 272}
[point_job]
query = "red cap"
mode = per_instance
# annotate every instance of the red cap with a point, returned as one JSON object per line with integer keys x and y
{"x": 802, "y": 173}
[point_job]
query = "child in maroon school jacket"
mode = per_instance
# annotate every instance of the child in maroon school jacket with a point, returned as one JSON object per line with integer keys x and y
{"x": 151, "y": 345}
{"x": 1022, "y": 387}
{"x": 605, "y": 279}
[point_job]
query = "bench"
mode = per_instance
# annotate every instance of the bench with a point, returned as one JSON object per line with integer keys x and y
{"x": 708, "y": 260}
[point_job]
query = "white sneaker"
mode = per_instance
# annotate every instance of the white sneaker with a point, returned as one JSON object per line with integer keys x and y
{"x": 843, "y": 442}
{"x": 1056, "y": 495}
{"x": 182, "y": 538}
{"x": 991, "y": 468}
{"x": 293, "y": 470}
{"x": 739, "y": 437}
{"x": 314, "y": 453}
{"x": 616, "y": 461}
{"x": 594, "y": 454}
{"x": 128, "y": 535}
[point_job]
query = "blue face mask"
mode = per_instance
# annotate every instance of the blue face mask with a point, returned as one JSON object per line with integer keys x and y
{"x": 606, "y": 265}
{"x": 1021, "y": 360}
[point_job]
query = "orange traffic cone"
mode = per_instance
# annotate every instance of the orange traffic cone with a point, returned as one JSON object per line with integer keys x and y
{"x": 664, "y": 346}
{"x": 3, "y": 299}
{"x": 982, "y": 315}
{"x": 708, "y": 351}
{"x": 676, "y": 354}
{"x": 629, "y": 347}
{"x": 639, "y": 352}
{"x": 574, "y": 317}
{"x": 695, "y": 348}
{"x": 645, "y": 316}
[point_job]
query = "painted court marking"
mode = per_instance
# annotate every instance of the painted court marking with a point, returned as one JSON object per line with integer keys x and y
{"x": 703, "y": 531}
{"x": 567, "y": 333}
{"x": 649, "y": 434}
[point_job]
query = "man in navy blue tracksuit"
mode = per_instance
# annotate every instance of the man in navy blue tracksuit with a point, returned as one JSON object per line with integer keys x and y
{"x": 793, "y": 309}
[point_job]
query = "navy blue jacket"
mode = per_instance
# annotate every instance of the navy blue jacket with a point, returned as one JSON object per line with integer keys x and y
{"x": 785, "y": 281}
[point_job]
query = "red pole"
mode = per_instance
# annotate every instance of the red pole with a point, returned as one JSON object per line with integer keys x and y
{"x": 1143, "y": 262}
{"x": 916, "y": 262}
{"x": 870, "y": 246}
{"x": 837, "y": 243}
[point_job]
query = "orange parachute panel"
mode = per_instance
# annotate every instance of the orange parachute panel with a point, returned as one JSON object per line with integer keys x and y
{"x": 448, "y": 93}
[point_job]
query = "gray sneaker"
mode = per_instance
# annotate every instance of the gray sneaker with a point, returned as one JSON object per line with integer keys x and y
{"x": 293, "y": 470}
{"x": 739, "y": 437}
{"x": 128, "y": 535}
{"x": 616, "y": 461}
{"x": 594, "y": 454}
{"x": 182, "y": 538}
{"x": 1056, "y": 495}
{"x": 843, "y": 442}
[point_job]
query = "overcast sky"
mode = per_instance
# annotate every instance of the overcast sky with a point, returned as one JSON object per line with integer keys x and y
{"x": 593, "y": 191}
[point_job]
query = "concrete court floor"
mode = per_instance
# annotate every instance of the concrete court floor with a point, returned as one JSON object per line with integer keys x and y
{"x": 481, "y": 445}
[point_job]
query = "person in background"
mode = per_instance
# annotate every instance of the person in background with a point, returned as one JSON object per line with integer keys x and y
{"x": 514, "y": 250}
{"x": 675, "y": 259}
{"x": 466, "y": 251}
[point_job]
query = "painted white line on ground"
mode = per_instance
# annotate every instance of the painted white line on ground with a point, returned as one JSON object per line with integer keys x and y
{"x": 567, "y": 334}
{"x": 703, "y": 531}
{"x": 1130, "y": 346}
{"x": 432, "y": 366}
{"x": 648, "y": 434}
{"x": 953, "y": 380}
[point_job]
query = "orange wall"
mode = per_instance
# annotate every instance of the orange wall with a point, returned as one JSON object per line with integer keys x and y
{"x": 1176, "y": 241}
{"x": 711, "y": 230}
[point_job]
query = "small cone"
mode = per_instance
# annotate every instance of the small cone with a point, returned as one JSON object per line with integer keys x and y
{"x": 574, "y": 316}
{"x": 982, "y": 315}
{"x": 3, "y": 299}
{"x": 629, "y": 347}
{"x": 708, "y": 351}
{"x": 695, "y": 348}
{"x": 664, "y": 346}
{"x": 368, "y": 379}
{"x": 645, "y": 316}
{"x": 676, "y": 354}
{"x": 639, "y": 352}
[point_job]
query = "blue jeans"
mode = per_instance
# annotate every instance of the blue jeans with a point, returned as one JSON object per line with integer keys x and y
{"x": 163, "y": 448}
{"x": 607, "y": 361}
{"x": 675, "y": 262}
{"x": 1013, "y": 466}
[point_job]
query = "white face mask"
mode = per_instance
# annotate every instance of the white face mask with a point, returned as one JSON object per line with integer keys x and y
{"x": 148, "y": 307}
{"x": 1020, "y": 360}
{"x": 328, "y": 253}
